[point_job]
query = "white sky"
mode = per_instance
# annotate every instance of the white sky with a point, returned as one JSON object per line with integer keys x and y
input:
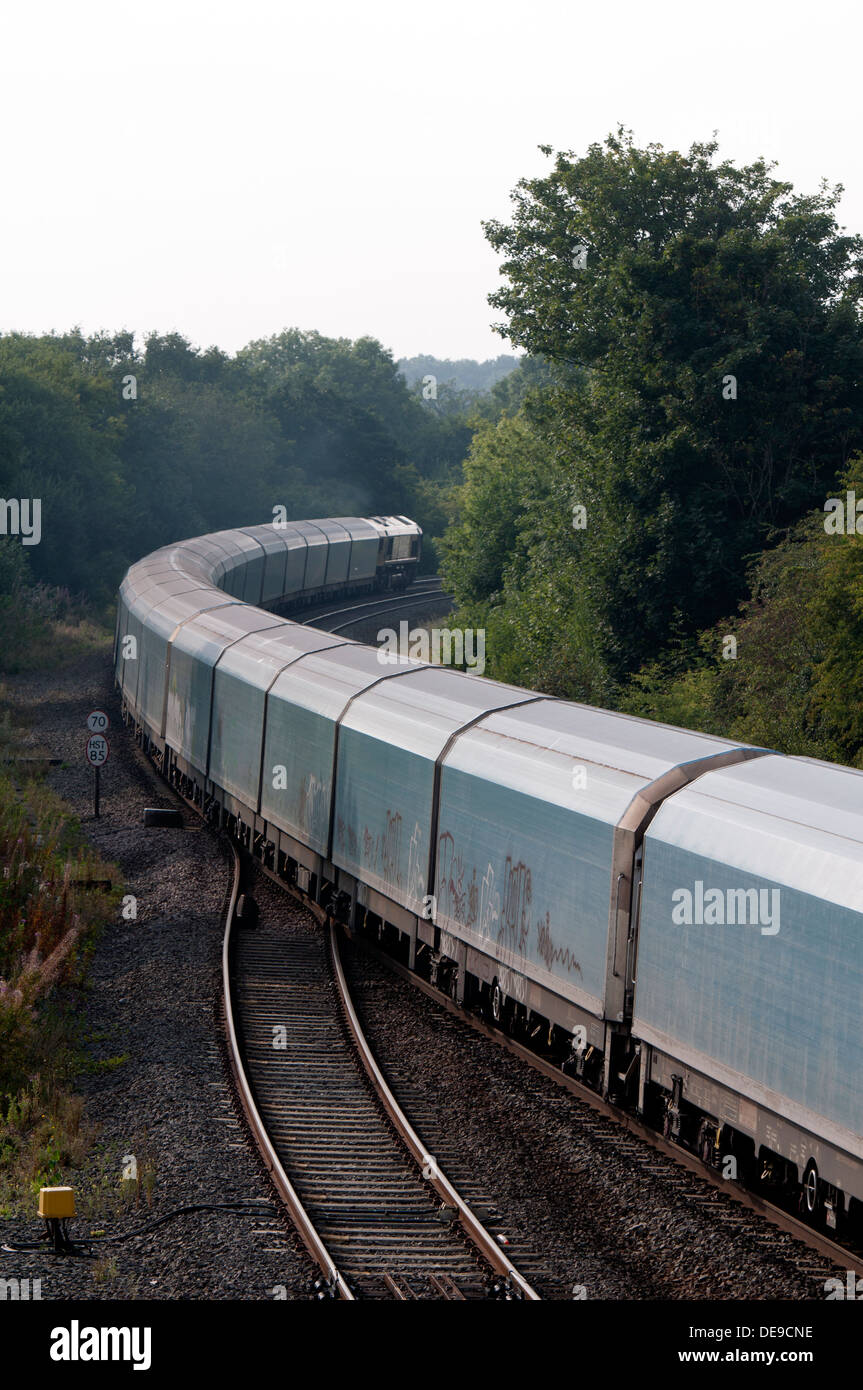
{"x": 228, "y": 170}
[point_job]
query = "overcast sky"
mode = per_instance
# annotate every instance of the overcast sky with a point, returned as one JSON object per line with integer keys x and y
{"x": 231, "y": 169}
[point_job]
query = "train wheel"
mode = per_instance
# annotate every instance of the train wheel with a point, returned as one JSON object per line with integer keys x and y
{"x": 811, "y": 1190}
{"x": 497, "y": 1003}
{"x": 705, "y": 1141}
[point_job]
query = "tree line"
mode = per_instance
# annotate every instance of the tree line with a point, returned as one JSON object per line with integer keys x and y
{"x": 695, "y": 338}
{"x": 635, "y": 512}
{"x": 128, "y": 448}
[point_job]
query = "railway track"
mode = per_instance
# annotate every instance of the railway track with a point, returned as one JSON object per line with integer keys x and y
{"x": 387, "y": 1257}
{"x": 374, "y": 1209}
{"x": 421, "y": 593}
{"x": 395, "y": 1260}
{"x": 732, "y": 1206}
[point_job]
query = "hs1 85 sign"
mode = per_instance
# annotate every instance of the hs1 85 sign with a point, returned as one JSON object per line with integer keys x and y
{"x": 97, "y": 749}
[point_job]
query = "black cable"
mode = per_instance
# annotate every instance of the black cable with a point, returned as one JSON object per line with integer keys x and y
{"x": 257, "y": 1207}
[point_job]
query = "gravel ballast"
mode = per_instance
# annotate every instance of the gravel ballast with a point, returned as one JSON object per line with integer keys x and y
{"x": 153, "y": 988}
{"x": 580, "y": 1218}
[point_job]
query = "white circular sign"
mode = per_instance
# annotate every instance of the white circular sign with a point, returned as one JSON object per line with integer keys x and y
{"x": 97, "y": 721}
{"x": 97, "y": 750}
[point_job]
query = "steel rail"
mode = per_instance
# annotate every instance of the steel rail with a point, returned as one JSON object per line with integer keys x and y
{"x": 626, "y": 1121}
{"x": 481, "y": 1238}
{"x": 379, "y": 606}
{"x": 777, "y": 1216}
{"x": 312, "y": 1241}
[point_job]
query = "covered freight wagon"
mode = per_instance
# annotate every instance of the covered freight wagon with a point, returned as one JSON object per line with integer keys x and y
{"x": 750, "y": 964}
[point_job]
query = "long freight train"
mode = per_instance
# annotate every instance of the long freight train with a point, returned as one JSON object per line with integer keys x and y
{"x": 678, "y": 917}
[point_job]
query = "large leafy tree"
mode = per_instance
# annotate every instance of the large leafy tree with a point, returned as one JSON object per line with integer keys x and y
{"x": 513, "y": 574}
{"x": 347, "y": 403}
{"x": 60, "y": 435}
{"x": 792, "y": 677}
{"x": 505, "y": 475}
{"x": 715, "y": 313}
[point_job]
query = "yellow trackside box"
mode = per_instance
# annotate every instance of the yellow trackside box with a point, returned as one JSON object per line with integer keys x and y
{"x": 58, "y": 1202}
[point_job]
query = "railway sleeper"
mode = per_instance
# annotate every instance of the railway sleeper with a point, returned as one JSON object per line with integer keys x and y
{"x": 612, "y": 1071}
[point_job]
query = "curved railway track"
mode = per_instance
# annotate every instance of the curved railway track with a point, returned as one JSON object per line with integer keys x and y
{"x": 485, "y": 776}
{"x": 387, "y": 1258}
{"x": 417, "y": 597}
{"x": 372, "y": 1207}
{"x": 397, "y": 1270}
{"x": 657, "y": 1157}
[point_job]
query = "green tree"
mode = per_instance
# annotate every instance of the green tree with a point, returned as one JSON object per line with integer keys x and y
{"x": 506, "y": 473}
{"x": 837, "y": 607}
{"x": 206, "y": 441}
{"x": 510, "y": 562}
{"x": 793, "y": 678}
{"x": 60, "y": 436}
{"x": 691, "y": 273}
{"x": 753, "y": 676}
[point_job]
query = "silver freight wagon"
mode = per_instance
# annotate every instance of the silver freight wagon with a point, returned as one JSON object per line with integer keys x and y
{"x": 750, "y": 963}
{"x": 390, "y": 740}
{"x": 504, "y": 833}
{"x": 542, "y": 810}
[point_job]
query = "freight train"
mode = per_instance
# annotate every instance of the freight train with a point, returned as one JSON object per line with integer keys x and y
{"x": 677, "y": 918}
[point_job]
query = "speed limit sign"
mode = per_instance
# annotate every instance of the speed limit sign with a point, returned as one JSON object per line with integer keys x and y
{"x": 97, "y": 749}
{"x": 97, "y": 721}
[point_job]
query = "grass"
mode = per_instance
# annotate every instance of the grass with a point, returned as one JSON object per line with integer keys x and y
{"x": 44, "y": 628}
{"x": 48, "y": 931}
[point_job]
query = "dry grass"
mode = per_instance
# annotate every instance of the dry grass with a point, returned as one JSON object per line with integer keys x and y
{"x": 43, "y": 627}
{"x": 48, "y": 929}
